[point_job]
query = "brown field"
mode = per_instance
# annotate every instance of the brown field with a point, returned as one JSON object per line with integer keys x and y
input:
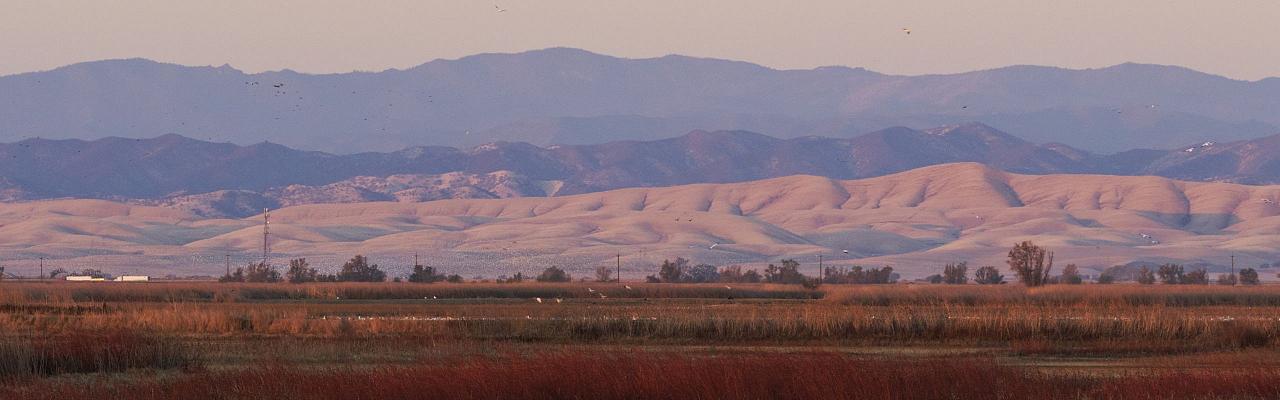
{"x": 490, "y": 341}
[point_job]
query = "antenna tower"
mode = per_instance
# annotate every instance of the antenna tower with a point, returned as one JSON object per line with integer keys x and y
{"x": 266, "y": 233}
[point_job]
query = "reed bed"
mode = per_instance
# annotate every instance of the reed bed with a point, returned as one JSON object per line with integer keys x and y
{"x": 704, "y": 322}
{"x": 1055, "y": 295}
{"x": 92, "y": 353}
{"x": 82, "y": 292}
{"x": 594, "y": 375}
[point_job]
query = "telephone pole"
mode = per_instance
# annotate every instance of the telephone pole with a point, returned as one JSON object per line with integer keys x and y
{"x": 820, "y": 271}
{"x": 228, "y": 264}
{"x": 619, "y": 277}
{"x": 1233, "y": 270}
{"x": 41, "y": 276}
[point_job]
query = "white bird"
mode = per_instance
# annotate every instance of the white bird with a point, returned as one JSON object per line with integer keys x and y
{"x": 590, "y": 290}
{"x": 559, "y": 300}
{"x": 727, "y": 287}
{"x": 500, "y": 9}
{"x": 906, "y": 30}
{"x": 528, "y": 317}
{"x": 628, "y": 287}
{"x": 713, "y": 245}
{"x": 539, "y": 299}
{"x": 434, "y": 297}
{"x": 603, "y": 296}
{"x": 845, "y": 251}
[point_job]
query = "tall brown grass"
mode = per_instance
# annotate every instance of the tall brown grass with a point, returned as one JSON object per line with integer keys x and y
{"x": 591, "y": 375}
{"x": 1055, "y": 295}
{"x": 92, "y": 353}
{"x": 69, "y": 292}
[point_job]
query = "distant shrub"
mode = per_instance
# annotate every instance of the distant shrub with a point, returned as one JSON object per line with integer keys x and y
{"x": 1197, "y": 277}
{"x": 988, "y": 276}
{"x": 425, "y": 274}
{"x": 1070, "y": 275}
{"x": 934, "y": 279}
{"x": 1145, "y": 276}
{"x": 1106, "y": 278}
{"x": 1227, "y": 279}
{"x": 1249, "y": 276}
{"x": 553, "y": 274}
{"x": 735, "y": 274}
{"x": 857, "y": 275}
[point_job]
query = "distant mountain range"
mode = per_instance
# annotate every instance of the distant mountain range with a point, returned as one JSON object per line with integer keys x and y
{"x": 568, "y": 96}
{"x": 217, "y": 179}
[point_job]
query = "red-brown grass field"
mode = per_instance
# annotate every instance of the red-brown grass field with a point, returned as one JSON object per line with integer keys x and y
{"x": 205, "y": 340}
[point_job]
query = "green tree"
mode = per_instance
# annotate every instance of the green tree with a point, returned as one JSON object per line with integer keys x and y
{"x": 702, "y": 273}
{"x": 735, "y": 274}
{"x": 673, "y": 272}
{"x": 956, "y": 274}
{"x": 788, "y": 273}
{"x": 988, "y": 276}
{"x": 358, "y": 269}
{"x": 1171, "y": 274}
{"x": 300, "y": 271}
{"x": 425, "y": 274}
{"x": 260, "y": 272}
{"x": 1248, "y": 276}
{"x": 553, "y": 274}
{"x": 1070, "y": 275}
{"x": 1197, "y": 277}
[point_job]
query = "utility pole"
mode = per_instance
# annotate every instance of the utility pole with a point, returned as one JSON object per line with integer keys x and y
{"x": 228, "y": 264}
{"x": 415, "y": 259}
{"x": 1233, "y": 270}
{"x": 619, "y": 277}
{"x": 41, "y": 276}
{"x": 820, "y": 270}
{"x": 266, "y": 231}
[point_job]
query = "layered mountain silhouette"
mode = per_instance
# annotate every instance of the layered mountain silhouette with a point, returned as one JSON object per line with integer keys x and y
{"x": 216, "y": 179}
{"x": 568, "y": 96}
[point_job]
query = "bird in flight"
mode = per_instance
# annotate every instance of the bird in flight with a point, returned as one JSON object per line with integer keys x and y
{"x": 500, "y": 9}
{"x": 906, "y": 30}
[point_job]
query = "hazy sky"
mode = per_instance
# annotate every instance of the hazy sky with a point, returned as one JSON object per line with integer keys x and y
{"x": 1236, "y": 38}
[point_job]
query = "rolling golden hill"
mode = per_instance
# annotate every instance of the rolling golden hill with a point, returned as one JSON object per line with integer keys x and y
{"x": 914, "y": 221}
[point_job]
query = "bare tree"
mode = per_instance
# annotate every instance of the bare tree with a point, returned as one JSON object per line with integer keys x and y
{"x": 604, "y": 274}
{"x": 1031, "y": 263}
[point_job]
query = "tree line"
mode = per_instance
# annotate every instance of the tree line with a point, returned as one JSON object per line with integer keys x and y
{"x": 1032, "y": 265}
